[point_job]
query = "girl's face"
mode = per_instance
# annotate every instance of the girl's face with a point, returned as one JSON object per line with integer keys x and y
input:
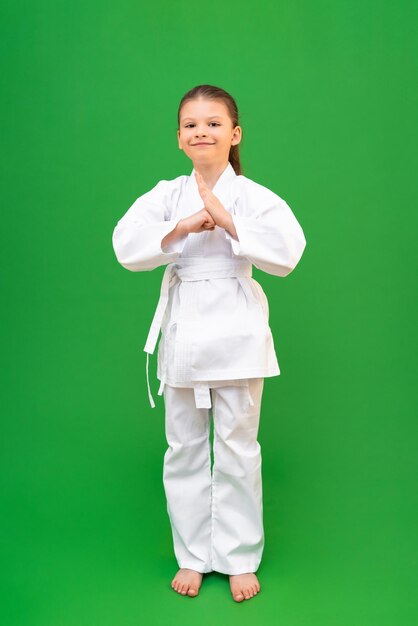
{"x": 206, "y": 133}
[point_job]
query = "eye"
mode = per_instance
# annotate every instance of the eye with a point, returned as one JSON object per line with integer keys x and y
{"x": 191, "y": 124}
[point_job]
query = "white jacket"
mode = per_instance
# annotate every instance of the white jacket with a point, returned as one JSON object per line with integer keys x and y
{"x": 213, "y": 315}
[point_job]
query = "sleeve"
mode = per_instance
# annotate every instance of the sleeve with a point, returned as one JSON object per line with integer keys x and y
{"x": 269, "y": 234}
{"x": 138, "y": 234}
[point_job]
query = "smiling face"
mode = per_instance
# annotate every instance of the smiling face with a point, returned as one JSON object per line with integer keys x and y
{"x": 206, "y": 133}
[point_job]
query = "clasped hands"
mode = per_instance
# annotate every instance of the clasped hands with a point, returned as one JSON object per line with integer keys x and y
{"x": 213, "y": 214}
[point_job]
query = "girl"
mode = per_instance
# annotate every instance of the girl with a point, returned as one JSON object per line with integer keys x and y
{"x": 216, "y": 347}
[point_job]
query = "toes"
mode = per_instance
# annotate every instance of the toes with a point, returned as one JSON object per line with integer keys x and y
{"x": 246, "y": 594}
{"x": 238, "y": 597}
{"x": 184, "y": 586}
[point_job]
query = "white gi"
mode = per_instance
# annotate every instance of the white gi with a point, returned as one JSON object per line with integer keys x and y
{"x": 216, "y": 349}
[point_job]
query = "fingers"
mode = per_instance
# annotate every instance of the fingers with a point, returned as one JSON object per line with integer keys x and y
{"x": 209, "y": 223}
{"x": 199, "y": 222}
{"x": 207, "y": 216}
{"x": 198, "y": 177}
{"x": 203, "y": 188}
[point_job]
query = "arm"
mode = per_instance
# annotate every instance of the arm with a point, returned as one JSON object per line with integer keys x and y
{"x": 268, "y": 233}
{"x": 174, "y": 241}
{"x": 230, "y": 229}
{"x": 138, "y": 236}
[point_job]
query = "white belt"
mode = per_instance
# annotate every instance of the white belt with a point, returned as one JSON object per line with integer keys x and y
{"x": 192, "y": 269}
{"x": 203, "y": 399}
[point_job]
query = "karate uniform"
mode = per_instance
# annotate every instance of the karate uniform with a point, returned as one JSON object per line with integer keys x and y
{"x": 216, "y": 349}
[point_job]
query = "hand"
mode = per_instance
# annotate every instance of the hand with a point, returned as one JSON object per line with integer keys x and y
{"x": 215, "y": 208}
{"x": 198, "y": 222}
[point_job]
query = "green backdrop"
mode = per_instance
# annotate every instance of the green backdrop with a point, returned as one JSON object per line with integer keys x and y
{"x": 326, "y": 93}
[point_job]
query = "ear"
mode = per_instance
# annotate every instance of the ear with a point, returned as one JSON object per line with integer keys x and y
{"x": 179, "y": 140}
{"x": 237, "y": 136}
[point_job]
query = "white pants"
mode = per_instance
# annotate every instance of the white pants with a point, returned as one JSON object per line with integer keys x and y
{"x": 216, "y": 519}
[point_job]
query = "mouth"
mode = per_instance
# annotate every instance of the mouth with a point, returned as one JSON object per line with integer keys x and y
{"x": 202, "y": 144}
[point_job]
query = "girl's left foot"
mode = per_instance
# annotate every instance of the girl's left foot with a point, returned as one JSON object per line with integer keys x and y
{"x": 244, "y": 586}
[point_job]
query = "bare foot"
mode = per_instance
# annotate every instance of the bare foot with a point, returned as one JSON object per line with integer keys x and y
{"x": 187, "y": 581}
{"x": 244, "y": 586}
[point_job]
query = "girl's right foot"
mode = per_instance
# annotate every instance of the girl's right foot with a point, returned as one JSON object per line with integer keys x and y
{"x": 187, "y": 582}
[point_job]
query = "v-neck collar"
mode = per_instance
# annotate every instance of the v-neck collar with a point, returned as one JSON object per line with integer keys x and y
{"x": 227, "y": 174}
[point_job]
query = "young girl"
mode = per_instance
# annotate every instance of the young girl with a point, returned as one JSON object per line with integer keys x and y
{"x": 216, "y": 347}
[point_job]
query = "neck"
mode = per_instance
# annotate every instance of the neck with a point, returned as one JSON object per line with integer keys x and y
{"x": 211, "y": 171}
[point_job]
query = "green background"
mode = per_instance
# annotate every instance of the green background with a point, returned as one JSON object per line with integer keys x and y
{"x": 326, "y": 92}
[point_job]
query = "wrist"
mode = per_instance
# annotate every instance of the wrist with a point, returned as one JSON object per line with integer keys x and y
{"x": 228, "y": 223}
{"x": 181, "y": 228}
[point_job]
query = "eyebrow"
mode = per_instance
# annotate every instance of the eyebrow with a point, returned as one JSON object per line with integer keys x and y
{"x": 213, "y": 117}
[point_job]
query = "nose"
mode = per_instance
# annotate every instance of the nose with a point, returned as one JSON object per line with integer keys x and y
{"x": 200, "y": 133}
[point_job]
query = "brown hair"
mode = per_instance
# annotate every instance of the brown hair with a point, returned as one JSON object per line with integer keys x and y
{"x": 216, "y": 93}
